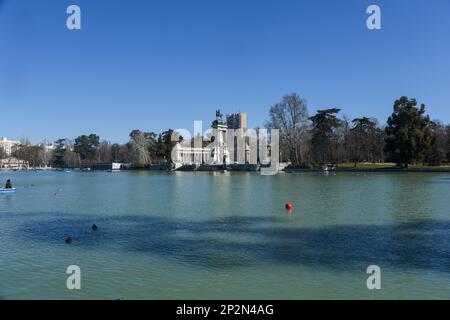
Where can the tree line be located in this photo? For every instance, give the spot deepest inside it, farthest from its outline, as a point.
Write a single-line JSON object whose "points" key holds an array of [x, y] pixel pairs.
{"points": [[142, 149], [408, 137]]}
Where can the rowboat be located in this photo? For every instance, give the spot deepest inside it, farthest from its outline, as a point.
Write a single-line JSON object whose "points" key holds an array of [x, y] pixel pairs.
{"points": [[7, 191]]}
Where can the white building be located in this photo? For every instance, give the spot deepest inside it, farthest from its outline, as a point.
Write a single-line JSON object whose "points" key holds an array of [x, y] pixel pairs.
{"points": [[13, 164], [8, 145], [229, 145], [216, 154]]}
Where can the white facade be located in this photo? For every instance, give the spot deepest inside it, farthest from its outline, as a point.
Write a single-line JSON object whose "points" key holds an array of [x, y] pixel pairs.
{"points": [[215, 154], [116, 166], [188, 155], [8, 145], [48, 147], [13, 164]]}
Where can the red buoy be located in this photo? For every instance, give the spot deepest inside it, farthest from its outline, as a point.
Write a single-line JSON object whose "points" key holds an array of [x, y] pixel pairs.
{"points": [[289, 206]]}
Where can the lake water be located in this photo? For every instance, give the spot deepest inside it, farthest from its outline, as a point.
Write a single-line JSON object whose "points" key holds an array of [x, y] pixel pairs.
{"points": [[225, 236]]}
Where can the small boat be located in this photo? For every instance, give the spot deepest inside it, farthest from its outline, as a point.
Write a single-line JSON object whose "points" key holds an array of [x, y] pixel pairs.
{"points": [[324, 171], [268, 172], [7, 191]]}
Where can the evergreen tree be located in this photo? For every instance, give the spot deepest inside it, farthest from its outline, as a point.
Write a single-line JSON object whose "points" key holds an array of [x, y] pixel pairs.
{"points": [[165, 146], [409, 137], [86, 146], [59, 152], [324, 137]]}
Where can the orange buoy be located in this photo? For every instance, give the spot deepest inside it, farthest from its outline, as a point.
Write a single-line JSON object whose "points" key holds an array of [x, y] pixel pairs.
{"points": [[289, 206]]}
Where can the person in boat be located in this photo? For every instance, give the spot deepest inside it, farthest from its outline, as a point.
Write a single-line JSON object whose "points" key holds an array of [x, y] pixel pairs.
{"points": [[8, 184]]}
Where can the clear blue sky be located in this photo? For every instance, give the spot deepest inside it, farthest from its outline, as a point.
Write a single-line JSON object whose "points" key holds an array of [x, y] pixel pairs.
{"points": [[152, 65]]}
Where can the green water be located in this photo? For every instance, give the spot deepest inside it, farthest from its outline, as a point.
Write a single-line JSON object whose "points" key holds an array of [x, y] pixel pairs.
{"points": [[225, 236]]}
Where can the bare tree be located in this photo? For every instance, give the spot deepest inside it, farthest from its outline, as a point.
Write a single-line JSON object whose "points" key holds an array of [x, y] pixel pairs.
{"points": [[290, 116], [34, 155], [72, 159], [104, 152], [124, 154], [3, 154], [142, 147]]}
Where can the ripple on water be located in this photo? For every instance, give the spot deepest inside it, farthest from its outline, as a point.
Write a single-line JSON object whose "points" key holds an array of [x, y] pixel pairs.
{"points": [[210, 241]]}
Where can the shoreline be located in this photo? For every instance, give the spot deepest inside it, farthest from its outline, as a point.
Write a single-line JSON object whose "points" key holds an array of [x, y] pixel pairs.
{"points": [[287, 170], [375, 170]]}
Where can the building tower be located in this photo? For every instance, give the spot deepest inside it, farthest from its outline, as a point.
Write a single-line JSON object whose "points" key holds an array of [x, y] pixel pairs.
{"points": [[220, 152], [237, 121]]}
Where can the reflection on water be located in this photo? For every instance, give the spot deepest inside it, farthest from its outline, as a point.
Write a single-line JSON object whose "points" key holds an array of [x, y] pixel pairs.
{"points": [[253, 241], [204, 235]]}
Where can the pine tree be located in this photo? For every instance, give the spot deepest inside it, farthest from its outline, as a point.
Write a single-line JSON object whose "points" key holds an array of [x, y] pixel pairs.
{"points": [[409, 137]]}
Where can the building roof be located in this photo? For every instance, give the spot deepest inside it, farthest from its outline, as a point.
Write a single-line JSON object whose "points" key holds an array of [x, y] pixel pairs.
{"points": [[6, 141]]}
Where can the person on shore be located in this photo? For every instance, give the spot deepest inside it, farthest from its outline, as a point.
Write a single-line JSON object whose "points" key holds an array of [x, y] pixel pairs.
{"points": [[8, 184]]}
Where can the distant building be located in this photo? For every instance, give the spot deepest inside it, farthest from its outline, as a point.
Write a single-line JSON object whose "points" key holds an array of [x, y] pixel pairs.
{"points": [[216, 155], [13, 164], [229, 144], [219, 152], [107, 166], [9, 145], [237, 121], [46, 146]]}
